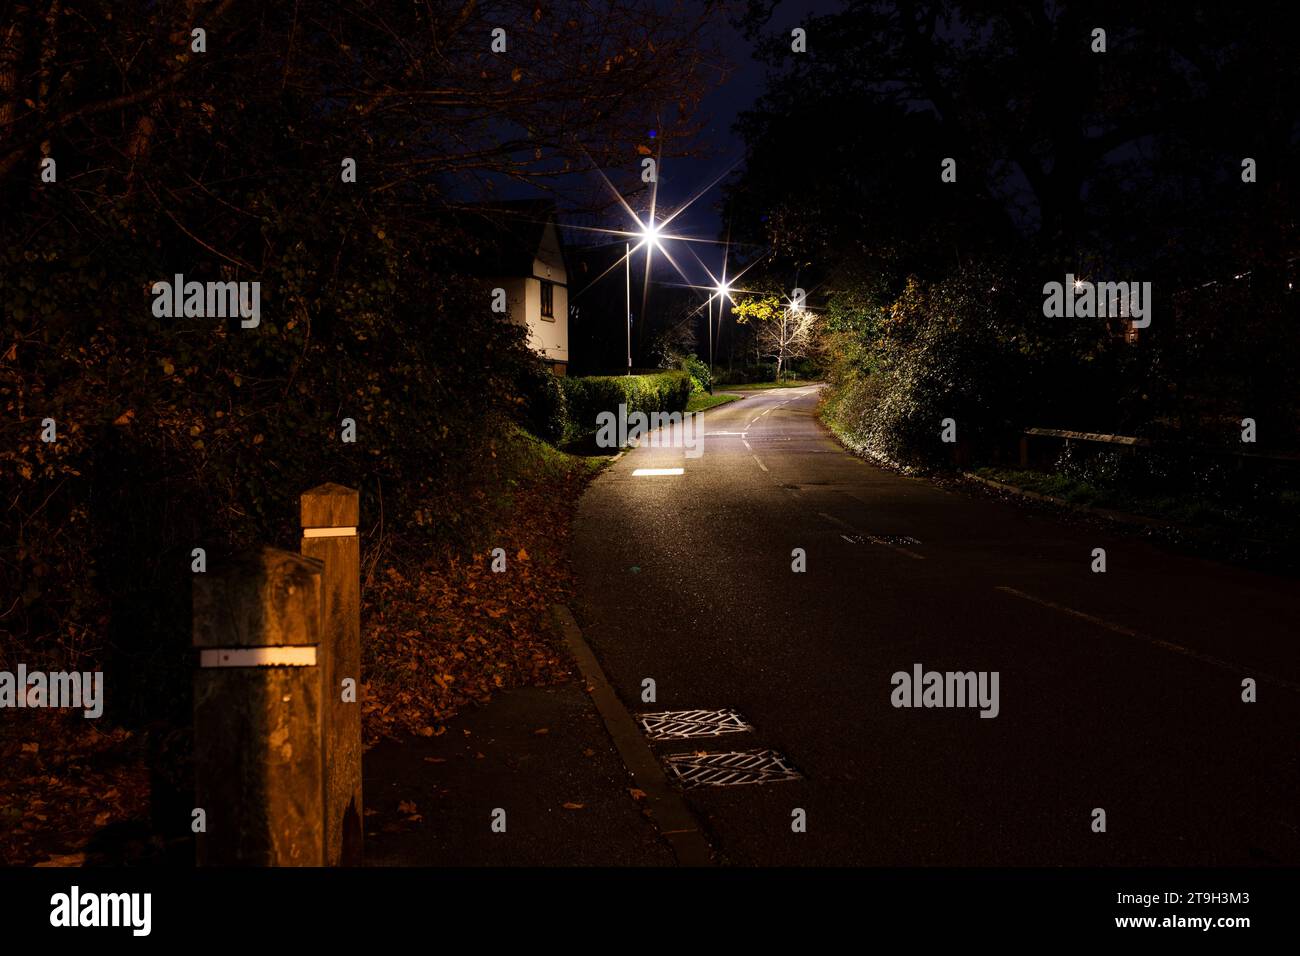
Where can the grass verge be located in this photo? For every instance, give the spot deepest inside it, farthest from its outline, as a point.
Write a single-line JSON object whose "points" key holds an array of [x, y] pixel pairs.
{"points": [[702, 401], [1267, 518], [748, 386]]}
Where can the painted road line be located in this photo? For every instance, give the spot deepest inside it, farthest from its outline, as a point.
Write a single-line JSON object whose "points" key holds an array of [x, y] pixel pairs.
{"points": [[858, 538], [656, 472], [760, 464], [1162, 644]]}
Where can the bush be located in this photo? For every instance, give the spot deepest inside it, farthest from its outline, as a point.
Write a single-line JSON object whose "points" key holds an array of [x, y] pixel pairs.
{"points": [[542, 409], [966, 348], [183, 433], [743, 375], [587, 397], [701, 376]]}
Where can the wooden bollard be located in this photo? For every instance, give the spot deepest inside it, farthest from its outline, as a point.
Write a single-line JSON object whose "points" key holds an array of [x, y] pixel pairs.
{"points": [[329, 533], [257, 711]]}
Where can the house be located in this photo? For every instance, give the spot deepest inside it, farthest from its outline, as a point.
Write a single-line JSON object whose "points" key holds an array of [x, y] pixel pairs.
{"points": [[517, 247]]}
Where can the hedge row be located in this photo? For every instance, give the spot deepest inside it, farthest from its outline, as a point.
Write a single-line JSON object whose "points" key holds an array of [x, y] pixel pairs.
{"points": [[586, 398]]}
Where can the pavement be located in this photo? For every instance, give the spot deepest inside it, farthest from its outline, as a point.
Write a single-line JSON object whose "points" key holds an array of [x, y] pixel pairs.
{"points": [[539, 754], [1118, 691]]}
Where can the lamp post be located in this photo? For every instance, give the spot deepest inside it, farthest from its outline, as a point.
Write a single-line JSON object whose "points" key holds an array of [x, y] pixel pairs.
{"points": [[649, 233], [627, 315], [710, 336], [721, 290]]}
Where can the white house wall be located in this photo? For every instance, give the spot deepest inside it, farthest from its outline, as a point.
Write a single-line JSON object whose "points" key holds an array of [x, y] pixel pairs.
{"points": [[524, 306], [548, 337], [549, 263]]}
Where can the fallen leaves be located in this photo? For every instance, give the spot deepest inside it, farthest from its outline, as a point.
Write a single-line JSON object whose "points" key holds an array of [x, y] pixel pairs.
{"points": [[447, 632], [58, 792]]}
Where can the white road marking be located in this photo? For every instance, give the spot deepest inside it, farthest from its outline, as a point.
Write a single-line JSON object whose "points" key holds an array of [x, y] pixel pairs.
{"points": [[748, 445], [760, 464], [870, 538], [1162, 644], [651, 472]]}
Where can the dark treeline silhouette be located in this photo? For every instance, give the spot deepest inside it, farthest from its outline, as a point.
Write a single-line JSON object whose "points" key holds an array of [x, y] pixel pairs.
{"points": [[1119, 165]]}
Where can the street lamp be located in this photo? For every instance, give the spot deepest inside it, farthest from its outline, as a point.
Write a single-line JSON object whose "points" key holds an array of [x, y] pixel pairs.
{"points": [[649, 233], [721, 290]]}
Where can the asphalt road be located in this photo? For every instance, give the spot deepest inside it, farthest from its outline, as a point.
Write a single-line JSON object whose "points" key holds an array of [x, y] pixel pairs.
{"points": [[1118, 690]]}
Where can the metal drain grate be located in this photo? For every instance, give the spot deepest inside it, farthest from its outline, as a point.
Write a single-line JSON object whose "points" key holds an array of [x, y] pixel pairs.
{"points": [[688, 724], [730, 769]]}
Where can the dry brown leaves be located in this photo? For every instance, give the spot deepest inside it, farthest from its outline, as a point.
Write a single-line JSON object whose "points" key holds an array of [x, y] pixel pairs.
{"points": [[437, 635], [449, 632], [65, 782]]}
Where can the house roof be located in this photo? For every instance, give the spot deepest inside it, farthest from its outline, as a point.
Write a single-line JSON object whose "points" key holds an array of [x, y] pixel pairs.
{"points": [[502, 238]]}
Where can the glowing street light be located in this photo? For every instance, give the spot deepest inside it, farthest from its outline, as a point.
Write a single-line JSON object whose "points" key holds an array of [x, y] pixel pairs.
{"points": [[649, 234], [722, 290]]}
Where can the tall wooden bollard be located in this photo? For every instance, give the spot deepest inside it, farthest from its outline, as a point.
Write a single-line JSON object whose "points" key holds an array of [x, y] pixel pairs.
{"points": [[259, 778], [329, 533]]}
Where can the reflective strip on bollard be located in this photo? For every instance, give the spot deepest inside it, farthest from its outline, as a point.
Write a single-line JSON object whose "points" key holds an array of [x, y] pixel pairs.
{"points": [[282, 656]]}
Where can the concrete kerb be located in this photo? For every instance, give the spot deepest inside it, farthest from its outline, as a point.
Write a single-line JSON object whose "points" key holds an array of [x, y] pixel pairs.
{"points": [[669, 812]]}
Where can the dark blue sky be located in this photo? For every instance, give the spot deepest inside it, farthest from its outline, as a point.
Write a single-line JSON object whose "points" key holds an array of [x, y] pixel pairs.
{"points": [[719, 148]]}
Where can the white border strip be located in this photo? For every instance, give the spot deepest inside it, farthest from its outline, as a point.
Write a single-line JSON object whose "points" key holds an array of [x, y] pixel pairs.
{"points": [[296, 655], [329, 532]]}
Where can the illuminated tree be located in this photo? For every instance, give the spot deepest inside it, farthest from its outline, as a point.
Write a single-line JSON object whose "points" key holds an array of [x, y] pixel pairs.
{"points": [[783, 331]]}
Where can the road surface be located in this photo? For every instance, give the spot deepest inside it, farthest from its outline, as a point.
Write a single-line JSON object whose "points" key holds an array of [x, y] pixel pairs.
{"points": [[1118, 691]]}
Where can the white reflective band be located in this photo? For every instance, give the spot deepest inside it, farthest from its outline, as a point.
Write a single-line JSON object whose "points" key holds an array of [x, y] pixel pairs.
{"points": [[328, 532], [657, 471], [284, 656]]}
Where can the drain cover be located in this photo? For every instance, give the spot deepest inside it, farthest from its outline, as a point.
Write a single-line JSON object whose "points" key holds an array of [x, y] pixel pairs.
{"points": [[730, 769], [686, 724]]}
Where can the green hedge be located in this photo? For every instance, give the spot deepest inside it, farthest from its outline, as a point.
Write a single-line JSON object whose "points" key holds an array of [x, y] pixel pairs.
{"points": [[541, 406], [587, 397], [701, 376]]}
